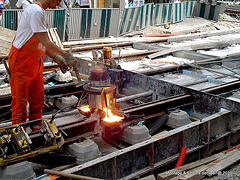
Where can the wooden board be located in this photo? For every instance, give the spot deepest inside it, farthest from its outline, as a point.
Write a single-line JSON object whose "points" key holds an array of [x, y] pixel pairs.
{"points": [[195, 169], [7, 36], [224, 164]]}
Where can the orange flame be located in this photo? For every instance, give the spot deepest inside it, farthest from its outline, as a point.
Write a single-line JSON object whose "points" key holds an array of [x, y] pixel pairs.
{"points": [[85, 108], [110, 117]]}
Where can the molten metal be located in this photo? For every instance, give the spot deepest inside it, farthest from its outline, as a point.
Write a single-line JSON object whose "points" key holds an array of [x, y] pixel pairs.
{"points": [[85, 108], [110, 117]]}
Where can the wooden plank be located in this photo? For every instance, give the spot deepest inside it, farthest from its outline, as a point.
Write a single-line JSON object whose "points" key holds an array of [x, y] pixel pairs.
{"points": [[54, 39], [168, 51], [113, 40], [59, 43], [174, 172], [7, 38], [5, 44], [50, 35], [196, 173], [7, 32], [224, 164]]}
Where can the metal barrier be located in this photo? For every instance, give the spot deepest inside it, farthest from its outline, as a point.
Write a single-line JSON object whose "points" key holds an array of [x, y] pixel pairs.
{"points": [[146, 16], [97, 23], [163, 14], [130, 20], [11, 17], [93, 23], [189, 8], [207, 11], [178, 13], [56, 18]]}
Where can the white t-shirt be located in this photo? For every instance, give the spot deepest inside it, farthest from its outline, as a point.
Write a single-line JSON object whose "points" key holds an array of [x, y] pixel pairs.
{"points": [[23, 3], [34, 19], [83, 2]]}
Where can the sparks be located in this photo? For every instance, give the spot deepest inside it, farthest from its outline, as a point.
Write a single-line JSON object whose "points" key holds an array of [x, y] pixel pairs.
{"points": [[110, 117]]}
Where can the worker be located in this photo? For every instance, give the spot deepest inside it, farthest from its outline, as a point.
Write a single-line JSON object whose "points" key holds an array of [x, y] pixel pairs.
{"points": [[83, 3], [26, 64], [3, 5], [23, 4], [66, 4]]}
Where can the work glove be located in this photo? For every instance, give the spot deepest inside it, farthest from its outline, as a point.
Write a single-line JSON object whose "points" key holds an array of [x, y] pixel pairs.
{"points": [[70, 59], [61, 63]]}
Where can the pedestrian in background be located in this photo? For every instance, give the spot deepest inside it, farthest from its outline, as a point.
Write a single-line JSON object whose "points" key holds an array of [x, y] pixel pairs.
{"points": [[83, 3], [23, 4], [66, 4], [3, 5]]}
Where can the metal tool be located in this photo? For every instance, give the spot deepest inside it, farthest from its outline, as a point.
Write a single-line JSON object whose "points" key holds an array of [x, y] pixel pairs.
{"points": [[16, 145], [6, 67]]}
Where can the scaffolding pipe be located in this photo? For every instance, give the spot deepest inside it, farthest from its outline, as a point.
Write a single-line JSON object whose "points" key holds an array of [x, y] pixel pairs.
{"points": [[135, 96]]}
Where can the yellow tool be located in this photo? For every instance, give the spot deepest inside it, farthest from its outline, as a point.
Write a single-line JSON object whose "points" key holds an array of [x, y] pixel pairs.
{"points": [[16, 145]]}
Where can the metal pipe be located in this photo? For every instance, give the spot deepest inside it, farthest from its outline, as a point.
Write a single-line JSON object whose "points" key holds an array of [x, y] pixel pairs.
{"points": [[49, 116], [213, 71], [220, 61], [230, 70], [68, 175], [135, 96]]}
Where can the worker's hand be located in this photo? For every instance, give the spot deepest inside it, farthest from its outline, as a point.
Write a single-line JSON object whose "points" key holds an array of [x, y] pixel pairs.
{"points": [[69, 58], [61, 63]]}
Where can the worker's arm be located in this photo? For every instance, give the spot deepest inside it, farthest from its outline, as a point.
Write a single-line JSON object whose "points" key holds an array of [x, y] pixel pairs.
{"points": [[69, 7], [89, 3], [50, 53], [16, 7], [68, 57], [43, 38], [4, 4], [58, 59]]}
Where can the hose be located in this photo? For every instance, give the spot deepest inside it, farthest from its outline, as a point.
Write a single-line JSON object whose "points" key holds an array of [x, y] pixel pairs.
{"points": [[181, 157]]}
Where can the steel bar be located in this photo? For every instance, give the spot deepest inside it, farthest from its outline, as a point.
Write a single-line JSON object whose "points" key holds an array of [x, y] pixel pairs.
{"points": [[159, 105], [135, 96], [230, 70], [68, 175], [97, 45], [238, 77], [77, 72]]}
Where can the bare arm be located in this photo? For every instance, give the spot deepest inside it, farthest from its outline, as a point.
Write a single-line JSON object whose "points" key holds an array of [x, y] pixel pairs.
{"points": [[5, 4], [43, 38], [16, 7], [89, 3], [69, 7]]}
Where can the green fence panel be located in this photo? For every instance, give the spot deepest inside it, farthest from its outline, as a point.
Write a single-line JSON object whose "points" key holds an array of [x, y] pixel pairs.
{"points": [[59, 22], [10, 19], [130, 19]]}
